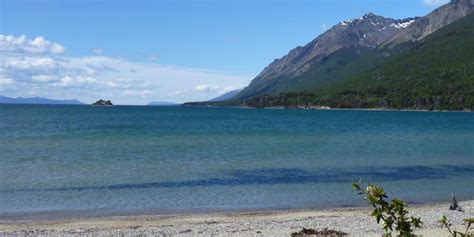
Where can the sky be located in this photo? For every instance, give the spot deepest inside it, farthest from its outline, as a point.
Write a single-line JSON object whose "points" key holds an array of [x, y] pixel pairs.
{"points": [[137, 51]]}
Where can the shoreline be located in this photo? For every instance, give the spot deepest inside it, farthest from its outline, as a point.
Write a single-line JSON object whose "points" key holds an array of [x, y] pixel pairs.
{"points": [[248, 107], [359, 109], [326, 108], [65, 215], [353, 220]]}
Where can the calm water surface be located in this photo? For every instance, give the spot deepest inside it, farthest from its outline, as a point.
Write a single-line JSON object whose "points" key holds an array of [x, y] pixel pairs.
{"points": [[81, 160]]}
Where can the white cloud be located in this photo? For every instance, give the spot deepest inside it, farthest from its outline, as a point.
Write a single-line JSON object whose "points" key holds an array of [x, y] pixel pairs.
{"points": [[29, 63], [434, 2], [24, 72], [228, 89], [214, 89], [143, 93], [5, 81], [43, 78], [207, 88], [21, 44], [178, 92], [70, 81]]}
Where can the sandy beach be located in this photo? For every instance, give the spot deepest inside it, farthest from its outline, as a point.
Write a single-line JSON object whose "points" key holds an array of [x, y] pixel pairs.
{"points": [[355, 221]]}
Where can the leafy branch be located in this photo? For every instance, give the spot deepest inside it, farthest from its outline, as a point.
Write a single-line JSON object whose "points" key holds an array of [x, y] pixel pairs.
{"points": [[446, 223], [392, 214]]}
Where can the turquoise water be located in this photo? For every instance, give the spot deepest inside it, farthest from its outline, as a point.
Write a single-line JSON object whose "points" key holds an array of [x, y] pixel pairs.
{"points": [[81, 160]]}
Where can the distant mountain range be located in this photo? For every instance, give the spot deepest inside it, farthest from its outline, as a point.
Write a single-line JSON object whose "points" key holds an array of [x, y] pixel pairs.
{"points": [[37, 100], [375, 61]]}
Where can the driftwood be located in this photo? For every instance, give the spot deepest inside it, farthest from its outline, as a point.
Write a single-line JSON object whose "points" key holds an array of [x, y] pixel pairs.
{"points": [[454, 204]]}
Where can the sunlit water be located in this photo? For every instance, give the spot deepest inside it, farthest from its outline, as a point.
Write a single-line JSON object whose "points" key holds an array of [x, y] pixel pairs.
{"points": [[81, 160]]}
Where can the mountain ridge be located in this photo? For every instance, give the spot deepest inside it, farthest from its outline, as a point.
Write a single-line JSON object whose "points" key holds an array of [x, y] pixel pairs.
{"points": [[38, 100], [437, 19], [435, 73], [355, 36], [348, 49]]}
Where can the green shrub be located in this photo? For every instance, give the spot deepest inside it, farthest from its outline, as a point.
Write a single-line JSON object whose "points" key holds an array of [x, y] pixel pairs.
{"points": [[446, 223], [392, 215]]}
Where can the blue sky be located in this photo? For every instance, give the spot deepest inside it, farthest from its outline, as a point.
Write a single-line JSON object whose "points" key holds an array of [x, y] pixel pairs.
{"points": [[185, 49]]}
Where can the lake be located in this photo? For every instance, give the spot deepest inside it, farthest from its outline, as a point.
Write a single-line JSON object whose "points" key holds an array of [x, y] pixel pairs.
{"points": [[61, 161]]}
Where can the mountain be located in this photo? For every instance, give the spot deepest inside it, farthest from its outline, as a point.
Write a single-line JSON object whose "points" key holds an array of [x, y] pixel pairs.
{"points": [[435, 73], [349, 49], [226, 96], [37, 100], [325, 55], [432, 22], [161, 103]]}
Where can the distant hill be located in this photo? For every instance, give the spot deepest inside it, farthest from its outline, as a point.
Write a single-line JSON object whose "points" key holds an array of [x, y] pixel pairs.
{"points": [[161, 103], [226, 96], [37, 100], [436, 73]]}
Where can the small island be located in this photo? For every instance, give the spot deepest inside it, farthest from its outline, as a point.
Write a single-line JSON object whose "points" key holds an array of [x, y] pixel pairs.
{"points": [[102, 102]]}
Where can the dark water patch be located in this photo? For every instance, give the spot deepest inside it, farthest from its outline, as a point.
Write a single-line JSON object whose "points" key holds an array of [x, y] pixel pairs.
{"points": [[294, 176]]}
